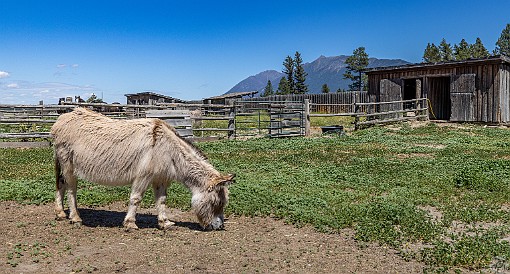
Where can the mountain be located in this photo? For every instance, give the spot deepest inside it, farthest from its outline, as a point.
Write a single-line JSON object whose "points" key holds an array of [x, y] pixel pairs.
{"points": [[323, 70]]}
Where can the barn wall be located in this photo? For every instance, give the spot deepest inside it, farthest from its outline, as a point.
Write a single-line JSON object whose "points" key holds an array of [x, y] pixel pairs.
{"points": [[504, 80], [490, 100]]}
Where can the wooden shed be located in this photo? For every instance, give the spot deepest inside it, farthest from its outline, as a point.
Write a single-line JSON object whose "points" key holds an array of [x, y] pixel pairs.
{"points": [[474, 90], [150, 98], [226, 99]]}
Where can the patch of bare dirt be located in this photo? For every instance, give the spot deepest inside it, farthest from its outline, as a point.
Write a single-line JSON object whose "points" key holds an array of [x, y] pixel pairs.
{"points": [[403, 156], [33, 242]]}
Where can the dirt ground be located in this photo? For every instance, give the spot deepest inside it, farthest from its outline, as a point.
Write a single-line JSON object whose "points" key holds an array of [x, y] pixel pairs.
{"points": [[32, 241]]}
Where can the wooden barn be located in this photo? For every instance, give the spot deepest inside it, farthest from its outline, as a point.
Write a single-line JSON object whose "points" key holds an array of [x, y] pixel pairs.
{"points": [[150, 98], [474, 90], [228, 98]]}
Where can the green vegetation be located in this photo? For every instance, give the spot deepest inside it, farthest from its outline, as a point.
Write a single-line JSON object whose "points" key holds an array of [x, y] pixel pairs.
{"points": [[356, 64], [440, 195]]}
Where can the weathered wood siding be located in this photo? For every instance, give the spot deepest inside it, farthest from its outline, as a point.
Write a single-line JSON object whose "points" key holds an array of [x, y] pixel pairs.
{"points": [[324, 102], [479, 89]]}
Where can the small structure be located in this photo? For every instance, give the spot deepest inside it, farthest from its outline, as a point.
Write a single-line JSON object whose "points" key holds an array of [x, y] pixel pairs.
{"points": [[150, 98], [226, 99], [474, 90]]}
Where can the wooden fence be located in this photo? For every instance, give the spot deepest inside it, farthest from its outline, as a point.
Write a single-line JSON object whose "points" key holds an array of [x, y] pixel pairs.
{"points": [[366, 113], [243, 118], [339, 102]]}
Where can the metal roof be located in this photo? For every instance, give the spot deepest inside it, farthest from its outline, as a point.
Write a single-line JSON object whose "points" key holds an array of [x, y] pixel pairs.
{"points": [[232, 95], [491, 59]]}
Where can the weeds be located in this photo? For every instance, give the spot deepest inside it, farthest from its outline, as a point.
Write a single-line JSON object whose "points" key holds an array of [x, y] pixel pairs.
{"points": [[376, 180]]}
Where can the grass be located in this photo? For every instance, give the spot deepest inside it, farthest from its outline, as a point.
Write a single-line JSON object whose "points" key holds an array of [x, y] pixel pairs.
{"points": [[440, 195]]}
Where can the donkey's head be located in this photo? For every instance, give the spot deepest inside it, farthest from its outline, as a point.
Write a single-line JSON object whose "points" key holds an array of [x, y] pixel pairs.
{"points": [[210, 202]]}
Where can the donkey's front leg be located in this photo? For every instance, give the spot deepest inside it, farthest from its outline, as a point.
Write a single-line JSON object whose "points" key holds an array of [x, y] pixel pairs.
{"points": [[137, 190], [160, 200]]}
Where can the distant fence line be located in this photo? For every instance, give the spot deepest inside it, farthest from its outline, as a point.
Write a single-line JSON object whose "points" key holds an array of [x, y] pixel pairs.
{"points": [[275, 116], [338, 102]]}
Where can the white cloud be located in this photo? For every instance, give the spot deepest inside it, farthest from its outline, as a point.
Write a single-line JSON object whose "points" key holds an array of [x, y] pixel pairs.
{"points": [[4, 74], [75, 65], [61, 66], [24, 92]]}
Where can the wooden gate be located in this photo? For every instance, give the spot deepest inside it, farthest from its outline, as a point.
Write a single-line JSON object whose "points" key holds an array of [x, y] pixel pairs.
{"points": [[287, 119], [274, 118]]}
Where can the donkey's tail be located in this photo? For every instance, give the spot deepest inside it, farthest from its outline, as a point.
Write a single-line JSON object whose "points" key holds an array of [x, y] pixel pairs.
{"points": [[58, 174]]}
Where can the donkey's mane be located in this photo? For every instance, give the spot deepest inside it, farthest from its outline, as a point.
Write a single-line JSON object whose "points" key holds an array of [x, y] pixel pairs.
{"points": [[187, 141]]}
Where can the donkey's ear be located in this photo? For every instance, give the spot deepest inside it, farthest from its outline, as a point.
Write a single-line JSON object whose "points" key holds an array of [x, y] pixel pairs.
{"points": [[222, 180], [226, 180]]}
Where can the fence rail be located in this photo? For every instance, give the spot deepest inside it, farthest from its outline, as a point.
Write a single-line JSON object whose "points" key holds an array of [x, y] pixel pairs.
{"points": [[260, 117]]}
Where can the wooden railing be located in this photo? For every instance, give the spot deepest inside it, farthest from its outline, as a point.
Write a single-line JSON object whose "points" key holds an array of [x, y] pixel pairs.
{"points": [[379, 112]]}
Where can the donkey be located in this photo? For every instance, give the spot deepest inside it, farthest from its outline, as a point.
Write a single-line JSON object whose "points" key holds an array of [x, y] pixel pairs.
{"points": [[140, 152]]}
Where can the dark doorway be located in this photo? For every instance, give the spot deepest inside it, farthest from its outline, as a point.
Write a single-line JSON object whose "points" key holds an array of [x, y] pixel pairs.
{"points": [[439, 96], [412, 90]]}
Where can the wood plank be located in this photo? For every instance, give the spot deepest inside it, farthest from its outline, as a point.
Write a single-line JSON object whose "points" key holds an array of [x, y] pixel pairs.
{"points": [[20, 135], [24, 144], [179, 122]]}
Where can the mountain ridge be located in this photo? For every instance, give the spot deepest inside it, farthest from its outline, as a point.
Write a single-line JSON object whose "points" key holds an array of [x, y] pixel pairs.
{"points": [[323, 70]]}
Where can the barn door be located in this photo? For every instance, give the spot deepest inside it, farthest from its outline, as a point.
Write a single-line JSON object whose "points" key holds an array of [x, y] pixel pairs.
{"points": [[390, 90], [462, 97]]}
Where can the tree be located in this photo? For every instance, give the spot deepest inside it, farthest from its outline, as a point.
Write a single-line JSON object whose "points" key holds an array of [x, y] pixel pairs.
{"points": [[283, 87], [478, 50], [93, 99], [299, 75], [268, 90], [503, 43], [431, 54], [339, 90], [463, 51], [445, 51], [288, 70], [356, 63], [325, 88]]}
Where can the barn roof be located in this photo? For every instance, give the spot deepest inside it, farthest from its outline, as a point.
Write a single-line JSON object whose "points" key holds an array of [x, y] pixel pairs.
{"points": [[153, 94], [232, 95], [491, 59]]}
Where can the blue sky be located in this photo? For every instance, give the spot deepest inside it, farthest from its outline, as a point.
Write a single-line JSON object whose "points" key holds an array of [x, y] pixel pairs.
{"points": [[196, 49]]}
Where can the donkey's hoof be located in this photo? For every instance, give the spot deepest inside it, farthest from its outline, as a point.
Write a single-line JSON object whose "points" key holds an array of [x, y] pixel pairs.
{"points": [[130, 225], [60, 215], [76, 223], [166, 225]]}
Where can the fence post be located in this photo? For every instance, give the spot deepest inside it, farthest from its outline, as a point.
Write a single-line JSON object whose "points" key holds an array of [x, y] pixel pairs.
{"points": [[307, 117], [356, 112], [231, 122]]}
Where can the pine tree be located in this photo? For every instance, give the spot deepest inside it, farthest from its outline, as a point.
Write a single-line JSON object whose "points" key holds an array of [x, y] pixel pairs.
{"points": [[299, 75], [268, 90], [463, 51], [431, 54], [288, 70], [356, 63], [503, 43], [93, 99], [283, 87], [325, 88], [478, 50], [445, 51]]}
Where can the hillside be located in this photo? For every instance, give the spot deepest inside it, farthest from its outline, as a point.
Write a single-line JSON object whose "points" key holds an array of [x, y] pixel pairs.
{"points": [[327, 70]]}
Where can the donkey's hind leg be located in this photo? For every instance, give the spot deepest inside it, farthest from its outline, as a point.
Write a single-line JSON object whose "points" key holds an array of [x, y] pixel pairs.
{"points": [[160, 199], [72, 182], [60, 191], [59, 198]]}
